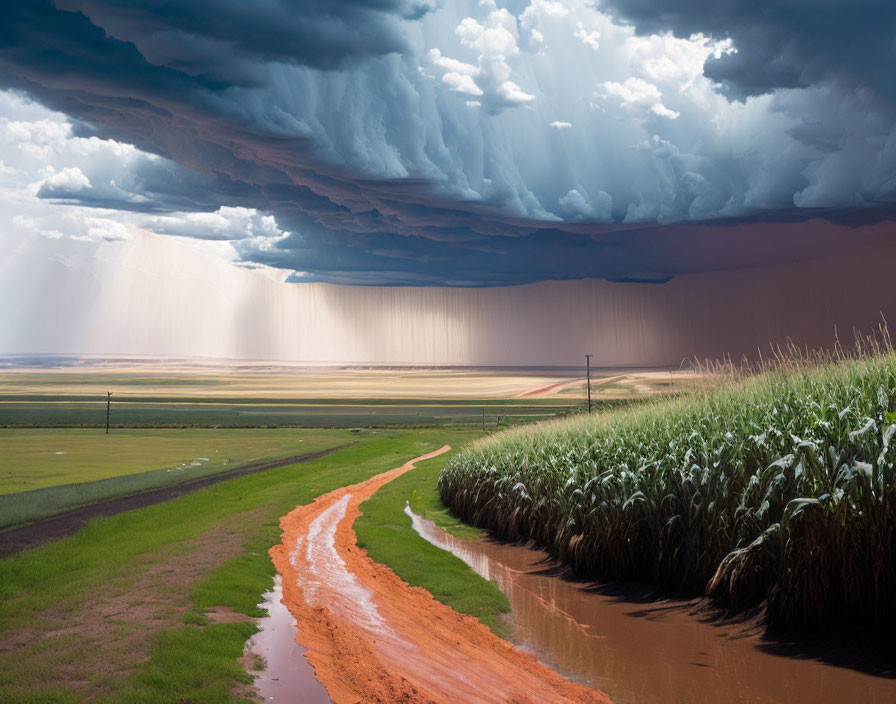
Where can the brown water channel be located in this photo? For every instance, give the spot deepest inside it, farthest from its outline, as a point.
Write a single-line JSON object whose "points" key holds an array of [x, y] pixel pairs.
{"points": [[655, 652], [287, 677]]}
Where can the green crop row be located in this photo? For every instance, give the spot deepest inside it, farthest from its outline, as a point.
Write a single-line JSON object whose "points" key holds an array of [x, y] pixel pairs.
{"points": [[777, 488]]}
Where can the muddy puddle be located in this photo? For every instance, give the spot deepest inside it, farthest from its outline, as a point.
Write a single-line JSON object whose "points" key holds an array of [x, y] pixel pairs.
{"points": [[287, 677], [649, 652]]}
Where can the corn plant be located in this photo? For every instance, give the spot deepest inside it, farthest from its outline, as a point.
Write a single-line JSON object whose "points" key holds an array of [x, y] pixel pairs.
{"points": [[775, 488]]}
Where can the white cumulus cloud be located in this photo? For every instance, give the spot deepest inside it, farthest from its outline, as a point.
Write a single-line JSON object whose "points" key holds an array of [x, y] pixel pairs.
{"points": [[461, 83], [70, 179], [586, 37], [636, 95]]}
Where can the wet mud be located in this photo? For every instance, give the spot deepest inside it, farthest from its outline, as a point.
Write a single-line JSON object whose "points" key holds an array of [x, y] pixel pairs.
{"points": [[372, 638], [651, 651]]}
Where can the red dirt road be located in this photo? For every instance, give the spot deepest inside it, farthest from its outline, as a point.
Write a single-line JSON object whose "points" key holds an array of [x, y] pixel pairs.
{"points": [[373, 639]]}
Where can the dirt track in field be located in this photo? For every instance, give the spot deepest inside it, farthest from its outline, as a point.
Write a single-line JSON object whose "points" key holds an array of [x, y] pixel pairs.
{"points": [[374, 639], [52, 528]]}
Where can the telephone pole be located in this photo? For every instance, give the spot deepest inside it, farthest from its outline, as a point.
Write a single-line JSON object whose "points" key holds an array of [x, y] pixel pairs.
{"points": [[588, 372], [108, 406]]}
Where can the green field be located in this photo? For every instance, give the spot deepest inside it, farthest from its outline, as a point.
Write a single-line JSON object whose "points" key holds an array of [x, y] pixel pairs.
{"points": [[73, 412], [119, 611], [94, 467], [38, 458], [130, 608]]}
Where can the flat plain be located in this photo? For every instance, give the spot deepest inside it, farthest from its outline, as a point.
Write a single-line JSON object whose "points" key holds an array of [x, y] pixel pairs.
{"points": [[158, 393]]}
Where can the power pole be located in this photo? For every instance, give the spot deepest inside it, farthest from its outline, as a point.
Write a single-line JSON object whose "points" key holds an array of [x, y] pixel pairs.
{"points": [[588, 372], [108, 406], [483, 419]]}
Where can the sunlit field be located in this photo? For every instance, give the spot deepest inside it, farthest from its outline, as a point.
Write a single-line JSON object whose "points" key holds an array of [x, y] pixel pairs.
{"points": [[173, 378], [71, 392], [39, 458]]}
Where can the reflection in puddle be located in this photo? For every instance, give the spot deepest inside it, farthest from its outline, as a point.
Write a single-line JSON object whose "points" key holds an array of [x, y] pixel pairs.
{"points": [[655, 652], [287, 677]]}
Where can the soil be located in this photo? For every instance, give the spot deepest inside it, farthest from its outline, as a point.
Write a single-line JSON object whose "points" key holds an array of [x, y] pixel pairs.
{"points": [[374, 639], [115, 630], [46, 530]]}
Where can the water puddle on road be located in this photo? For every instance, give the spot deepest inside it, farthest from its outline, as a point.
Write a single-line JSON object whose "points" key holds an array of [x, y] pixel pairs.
{"points": [[287, 677], [650, 652]]}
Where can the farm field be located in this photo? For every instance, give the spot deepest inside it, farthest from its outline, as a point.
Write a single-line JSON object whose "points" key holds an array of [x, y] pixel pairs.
{"points": [[321, 413], [71, 393], [40, 458], [183, 579], [233, 381], [776, 490], [44, 472], [167, 430]]}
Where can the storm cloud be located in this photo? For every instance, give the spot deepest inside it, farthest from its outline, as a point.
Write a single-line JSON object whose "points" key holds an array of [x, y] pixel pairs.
{"points": [[473, 143], [782, 43]]}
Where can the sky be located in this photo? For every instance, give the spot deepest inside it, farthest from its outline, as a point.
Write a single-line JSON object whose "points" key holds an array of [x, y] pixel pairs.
{"points": [[417, 142], [179, 177]]}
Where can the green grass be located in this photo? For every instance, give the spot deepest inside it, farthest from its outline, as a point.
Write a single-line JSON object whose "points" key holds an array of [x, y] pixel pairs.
{"points": [[196, 660], [778, 488], [63, 412], [190, 664], [122, 546], [385, 531], [40, 458], [31, 457]]}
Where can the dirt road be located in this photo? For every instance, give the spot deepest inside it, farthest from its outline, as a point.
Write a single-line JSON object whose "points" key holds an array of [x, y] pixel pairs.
{"points": [[374, 639]]}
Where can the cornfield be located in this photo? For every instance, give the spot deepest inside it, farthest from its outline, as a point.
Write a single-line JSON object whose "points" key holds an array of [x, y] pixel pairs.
{"points": [[776, 488]]}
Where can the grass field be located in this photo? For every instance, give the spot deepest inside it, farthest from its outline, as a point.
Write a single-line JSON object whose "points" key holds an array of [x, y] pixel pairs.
{"points": [[154, 605], [39, 458], [198, 412], [94, 467], [120, 611]]}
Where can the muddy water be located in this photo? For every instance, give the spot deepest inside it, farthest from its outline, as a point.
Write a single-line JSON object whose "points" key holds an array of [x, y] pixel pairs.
{"points": [[326, 582], [373, 638], [287, 677], [652, 652]]}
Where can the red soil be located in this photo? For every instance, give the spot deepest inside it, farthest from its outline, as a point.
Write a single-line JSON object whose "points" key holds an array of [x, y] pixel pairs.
{"points": [[372, 638], [541, 390]]}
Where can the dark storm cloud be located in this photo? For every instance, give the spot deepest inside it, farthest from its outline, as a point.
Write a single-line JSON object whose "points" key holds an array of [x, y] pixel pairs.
{"points": [[174, 79], [222, 37], [781, 43]]}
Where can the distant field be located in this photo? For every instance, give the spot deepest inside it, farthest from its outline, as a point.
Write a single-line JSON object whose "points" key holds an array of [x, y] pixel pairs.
{"points": [[178, 394], [39, 458], [62, 412], [176, 420], [243, 381], [278, 383], [44, 472]]}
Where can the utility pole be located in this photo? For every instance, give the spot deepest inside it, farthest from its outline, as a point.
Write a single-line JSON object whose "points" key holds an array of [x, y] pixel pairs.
{"points": [[483, 419], [588, 372], [108, 406]]}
